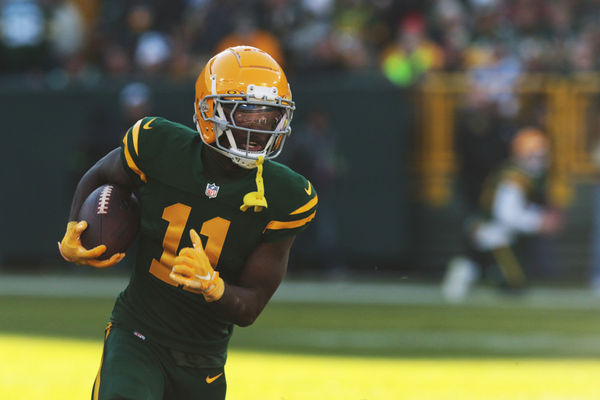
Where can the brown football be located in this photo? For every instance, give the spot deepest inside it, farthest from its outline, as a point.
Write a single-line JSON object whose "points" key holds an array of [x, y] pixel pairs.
{"points": [[113, 216]]}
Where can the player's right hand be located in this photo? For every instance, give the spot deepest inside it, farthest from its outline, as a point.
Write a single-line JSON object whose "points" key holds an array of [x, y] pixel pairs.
{"points": [[73, 251], [193, 270]]}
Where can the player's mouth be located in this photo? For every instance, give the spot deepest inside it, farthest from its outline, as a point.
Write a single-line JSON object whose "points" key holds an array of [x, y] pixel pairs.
{"points": [[254, 143], [252, 146]]}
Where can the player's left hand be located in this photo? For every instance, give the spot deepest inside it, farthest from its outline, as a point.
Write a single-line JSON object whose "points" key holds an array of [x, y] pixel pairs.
{"points": [[192, 269]]}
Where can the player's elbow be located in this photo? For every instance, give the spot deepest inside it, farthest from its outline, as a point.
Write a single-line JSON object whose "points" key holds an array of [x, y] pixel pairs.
{"points": [[246, 320], [247, 311], [249, 315]]}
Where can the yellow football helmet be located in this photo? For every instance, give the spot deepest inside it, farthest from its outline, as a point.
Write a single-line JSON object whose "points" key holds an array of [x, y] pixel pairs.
{"points": [[243, 106], [530, 148], [529, 141]]}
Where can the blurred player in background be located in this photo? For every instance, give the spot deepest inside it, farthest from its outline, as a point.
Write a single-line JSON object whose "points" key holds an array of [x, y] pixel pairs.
{"points": [[218, 218], [513, 205]]}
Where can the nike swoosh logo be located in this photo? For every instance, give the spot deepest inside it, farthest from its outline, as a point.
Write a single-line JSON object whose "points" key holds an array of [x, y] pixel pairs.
{"points": [[308, 190], [147, 124], [210, 380], [204, 278]]}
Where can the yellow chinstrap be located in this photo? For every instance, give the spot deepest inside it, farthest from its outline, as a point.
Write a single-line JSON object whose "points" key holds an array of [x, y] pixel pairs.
{"points": [[256, 199]]}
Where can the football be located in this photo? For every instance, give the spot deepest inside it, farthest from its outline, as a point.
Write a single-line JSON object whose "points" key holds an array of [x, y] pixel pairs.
{"points": [[113, 216]]}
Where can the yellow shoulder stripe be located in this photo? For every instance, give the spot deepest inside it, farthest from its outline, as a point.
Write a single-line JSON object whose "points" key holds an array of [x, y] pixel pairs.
{"points": [[307, 206], [290, 224], [134, 135], [130, 161]]}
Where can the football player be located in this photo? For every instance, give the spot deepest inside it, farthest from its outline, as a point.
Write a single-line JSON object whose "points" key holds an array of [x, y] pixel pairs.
{"points": [[218, 218], [513, 205]]}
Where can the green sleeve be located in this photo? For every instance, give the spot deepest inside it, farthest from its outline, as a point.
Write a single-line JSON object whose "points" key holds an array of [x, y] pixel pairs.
{"points": [[296, 208], [150, 147]]}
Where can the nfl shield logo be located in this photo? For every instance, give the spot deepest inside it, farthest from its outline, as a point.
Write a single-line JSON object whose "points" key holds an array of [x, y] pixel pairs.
{"points": [[211, 190]]}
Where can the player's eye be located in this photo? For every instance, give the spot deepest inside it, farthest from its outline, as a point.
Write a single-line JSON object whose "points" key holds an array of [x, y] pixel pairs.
{"points": [[255, 117]]}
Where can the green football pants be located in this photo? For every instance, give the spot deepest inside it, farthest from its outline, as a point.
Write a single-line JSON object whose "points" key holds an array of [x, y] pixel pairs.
{"points": [[135, 368]]}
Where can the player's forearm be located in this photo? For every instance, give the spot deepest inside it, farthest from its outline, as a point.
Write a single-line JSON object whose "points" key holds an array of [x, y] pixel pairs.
{"points": [[109, 169], [262, 275], [240, 305], [88, 182]]}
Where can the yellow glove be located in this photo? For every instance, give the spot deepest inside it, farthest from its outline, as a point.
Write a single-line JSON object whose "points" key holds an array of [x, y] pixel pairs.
{"points": [[72, 250], [192, 269]]}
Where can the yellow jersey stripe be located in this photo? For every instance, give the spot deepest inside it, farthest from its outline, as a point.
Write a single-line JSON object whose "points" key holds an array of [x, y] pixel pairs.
{"points": [[307, 206], [290, 224], [135, 132], [97, 384], [108, 328], [130, 161]]}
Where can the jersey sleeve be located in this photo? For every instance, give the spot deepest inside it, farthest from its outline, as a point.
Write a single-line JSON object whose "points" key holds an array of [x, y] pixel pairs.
{"points": [[145, 146], [295, 213]]}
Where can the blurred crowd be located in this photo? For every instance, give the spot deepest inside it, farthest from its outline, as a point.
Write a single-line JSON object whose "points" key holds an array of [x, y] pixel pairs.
{"points": [[85, 39]]}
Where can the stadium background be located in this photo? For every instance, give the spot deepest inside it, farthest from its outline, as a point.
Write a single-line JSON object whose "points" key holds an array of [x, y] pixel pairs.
{"points": [[383, 90]]}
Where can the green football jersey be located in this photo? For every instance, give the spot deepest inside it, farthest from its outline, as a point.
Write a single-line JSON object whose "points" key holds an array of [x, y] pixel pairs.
{"points": [[176, 194]]}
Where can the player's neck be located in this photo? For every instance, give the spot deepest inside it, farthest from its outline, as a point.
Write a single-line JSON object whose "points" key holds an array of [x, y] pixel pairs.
{"points": [[217, 165]]}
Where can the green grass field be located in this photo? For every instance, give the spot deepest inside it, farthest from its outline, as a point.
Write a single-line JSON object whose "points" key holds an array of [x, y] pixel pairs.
{"points": [[408, 348]]}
